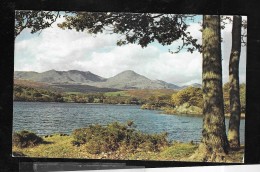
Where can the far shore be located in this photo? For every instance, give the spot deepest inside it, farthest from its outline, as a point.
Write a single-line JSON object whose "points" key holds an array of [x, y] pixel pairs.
{"points": [[227, 115]]}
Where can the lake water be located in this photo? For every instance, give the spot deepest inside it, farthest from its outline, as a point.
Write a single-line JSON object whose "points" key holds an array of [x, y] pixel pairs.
{"points": [[48, 118]]}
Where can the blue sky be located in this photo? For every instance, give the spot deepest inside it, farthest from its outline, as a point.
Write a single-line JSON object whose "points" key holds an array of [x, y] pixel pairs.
{"points": [[59, 49]]}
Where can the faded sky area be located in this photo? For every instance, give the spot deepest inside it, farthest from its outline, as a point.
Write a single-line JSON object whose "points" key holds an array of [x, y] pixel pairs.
{"points": [[64, 50]]}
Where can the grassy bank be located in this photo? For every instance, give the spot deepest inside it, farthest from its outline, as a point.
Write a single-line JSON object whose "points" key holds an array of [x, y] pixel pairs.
{"points": [[114, 141], [60, 147]]}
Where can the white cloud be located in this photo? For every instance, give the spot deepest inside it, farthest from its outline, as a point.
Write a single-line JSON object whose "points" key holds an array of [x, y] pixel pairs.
{"points": [[128, 57], [54, 48]]}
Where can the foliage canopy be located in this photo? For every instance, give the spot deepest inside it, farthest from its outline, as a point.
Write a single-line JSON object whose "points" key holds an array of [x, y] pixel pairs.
{"points": [[140, 28], [34, 20]]}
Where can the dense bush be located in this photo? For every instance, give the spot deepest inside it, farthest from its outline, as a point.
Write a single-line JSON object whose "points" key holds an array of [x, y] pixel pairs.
{"points": [[190, 95], [112, 137], [25, 139]]}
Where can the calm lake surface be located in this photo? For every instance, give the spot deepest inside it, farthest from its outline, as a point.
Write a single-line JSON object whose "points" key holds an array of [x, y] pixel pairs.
{"points": [[48, 118]]}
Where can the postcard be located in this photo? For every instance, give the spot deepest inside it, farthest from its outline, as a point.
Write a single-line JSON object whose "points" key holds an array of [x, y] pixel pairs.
{"points": [[129, 86]]}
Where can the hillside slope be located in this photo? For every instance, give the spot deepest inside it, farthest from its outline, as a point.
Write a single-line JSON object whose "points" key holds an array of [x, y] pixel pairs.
{"points": [[125, 80]]}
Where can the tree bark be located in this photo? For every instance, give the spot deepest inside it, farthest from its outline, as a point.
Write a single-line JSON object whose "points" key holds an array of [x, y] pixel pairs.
{"points": [[214, 143], [234, 95]]}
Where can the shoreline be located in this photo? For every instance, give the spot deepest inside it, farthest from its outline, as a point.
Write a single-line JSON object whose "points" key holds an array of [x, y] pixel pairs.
{"points": [[79, 103], [227, 115]]}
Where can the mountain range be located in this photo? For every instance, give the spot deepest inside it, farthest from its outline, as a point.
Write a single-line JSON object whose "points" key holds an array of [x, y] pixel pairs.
{"points": [[125, 80]]}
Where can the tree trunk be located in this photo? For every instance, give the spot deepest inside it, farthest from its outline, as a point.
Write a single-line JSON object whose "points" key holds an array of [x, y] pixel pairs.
{"points": [[234, 95], [214, 143]]}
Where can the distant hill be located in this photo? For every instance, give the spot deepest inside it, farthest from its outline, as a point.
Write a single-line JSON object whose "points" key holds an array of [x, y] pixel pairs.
{"points": [[168, 85], [31, 84], [62, 87], [53, 76], [196, 85], [85, 80], [131, 80]]}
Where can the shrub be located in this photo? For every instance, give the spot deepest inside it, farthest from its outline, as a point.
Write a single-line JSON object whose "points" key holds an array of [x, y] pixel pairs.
{"points": [[25, 139], [112, 137], [190, 95]]}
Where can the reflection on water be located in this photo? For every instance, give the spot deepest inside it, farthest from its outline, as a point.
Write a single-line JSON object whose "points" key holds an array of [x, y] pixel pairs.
{"points": [[49, 118]]}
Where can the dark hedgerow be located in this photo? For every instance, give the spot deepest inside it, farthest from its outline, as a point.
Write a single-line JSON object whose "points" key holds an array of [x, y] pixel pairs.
{"points": [[25, 139], [112, 137]]}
